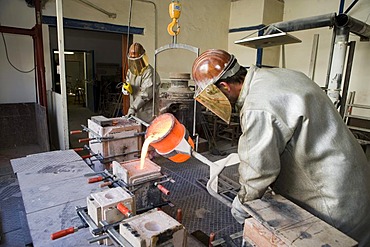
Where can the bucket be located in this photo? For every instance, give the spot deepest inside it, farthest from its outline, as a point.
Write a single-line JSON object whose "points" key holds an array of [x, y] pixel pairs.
{"points": [[173, 140]]}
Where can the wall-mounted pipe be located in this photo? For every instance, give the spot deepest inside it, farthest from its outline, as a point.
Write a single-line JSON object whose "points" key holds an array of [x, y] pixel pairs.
{"points": [[326, 20], [39, 52], [343, 25], [36, 34], [109, 14], [337, 66], [355, 26]]}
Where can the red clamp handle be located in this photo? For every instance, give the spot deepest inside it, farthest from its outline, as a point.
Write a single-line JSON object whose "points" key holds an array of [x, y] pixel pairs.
{"points": [[78, 149], [163, 189], [123, 209], [63, 233], [212, 236], [109, 183], [86, 156], [95, 179], [72, 132], [85, 140], [179, 215]]}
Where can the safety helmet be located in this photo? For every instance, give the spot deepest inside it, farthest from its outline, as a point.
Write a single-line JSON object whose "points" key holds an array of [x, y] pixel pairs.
{"points": [[136, 50], [210, 67], [137, 59]]}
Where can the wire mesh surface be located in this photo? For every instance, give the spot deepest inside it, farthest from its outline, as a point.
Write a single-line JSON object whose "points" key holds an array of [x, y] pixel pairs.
{"points": [[200, 211], [14, 227]]}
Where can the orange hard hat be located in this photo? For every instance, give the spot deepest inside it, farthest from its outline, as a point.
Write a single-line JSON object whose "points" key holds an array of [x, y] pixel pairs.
{"points": [[136, 50]]}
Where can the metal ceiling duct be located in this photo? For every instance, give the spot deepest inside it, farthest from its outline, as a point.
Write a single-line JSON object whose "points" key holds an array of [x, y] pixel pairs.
{"points": [[355, 26], [343, 25], [327, 20]]}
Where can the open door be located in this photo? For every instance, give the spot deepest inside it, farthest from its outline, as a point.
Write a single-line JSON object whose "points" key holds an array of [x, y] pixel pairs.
{"points": [[81, 91]]}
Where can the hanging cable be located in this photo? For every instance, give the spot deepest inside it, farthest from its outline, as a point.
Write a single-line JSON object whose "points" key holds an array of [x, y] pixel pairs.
{"points": [[7, 57], [115, 113]]}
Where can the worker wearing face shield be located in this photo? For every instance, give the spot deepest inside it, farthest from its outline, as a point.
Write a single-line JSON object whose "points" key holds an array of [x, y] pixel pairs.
{"points": [[293, 141], [139, 84]]}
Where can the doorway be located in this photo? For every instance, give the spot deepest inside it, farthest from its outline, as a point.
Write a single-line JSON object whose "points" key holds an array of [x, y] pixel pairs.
{"points": [[90, 55], [81, 89]]}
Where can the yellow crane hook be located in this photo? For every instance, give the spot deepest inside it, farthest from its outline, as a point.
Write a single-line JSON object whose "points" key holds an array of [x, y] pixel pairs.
{"points": [[174, 10]]}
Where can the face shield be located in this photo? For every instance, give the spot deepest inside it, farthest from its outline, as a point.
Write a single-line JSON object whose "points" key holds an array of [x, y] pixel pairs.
{"points": [[210, 96], [138, 65], [214, 100]]}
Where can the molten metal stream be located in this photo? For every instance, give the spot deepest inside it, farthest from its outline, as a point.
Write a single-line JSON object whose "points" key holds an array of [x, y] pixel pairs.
{"points": [[145, 147], [156, 134]]}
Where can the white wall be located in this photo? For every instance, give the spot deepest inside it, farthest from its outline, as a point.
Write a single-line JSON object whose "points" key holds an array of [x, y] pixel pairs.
{"points": [[204, 24], [16, 86], [298, 55]]}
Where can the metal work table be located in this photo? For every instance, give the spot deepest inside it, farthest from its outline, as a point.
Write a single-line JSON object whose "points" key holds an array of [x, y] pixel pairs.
{"points": [[53, 184]]}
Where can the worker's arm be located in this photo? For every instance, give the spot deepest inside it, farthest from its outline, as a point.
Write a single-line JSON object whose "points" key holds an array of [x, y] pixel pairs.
{"points": [[260, 145], [263, 140], [146, 89]]}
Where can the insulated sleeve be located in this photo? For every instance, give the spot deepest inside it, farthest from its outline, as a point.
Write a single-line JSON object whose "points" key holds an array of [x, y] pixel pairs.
{"points": [[260, 146], [146, 86]]}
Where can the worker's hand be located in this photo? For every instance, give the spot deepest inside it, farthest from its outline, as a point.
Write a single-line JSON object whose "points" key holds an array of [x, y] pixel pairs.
{"points": [[126, 88], [238, 212], [131, 112]]}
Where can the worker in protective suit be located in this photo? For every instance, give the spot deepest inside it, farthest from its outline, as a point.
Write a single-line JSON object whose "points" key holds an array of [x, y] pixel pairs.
{"points": [[139, 84], [293, 140]]}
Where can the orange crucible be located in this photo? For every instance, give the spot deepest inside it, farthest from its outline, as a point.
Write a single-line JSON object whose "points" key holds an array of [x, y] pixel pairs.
{"points": [[171, 138]]}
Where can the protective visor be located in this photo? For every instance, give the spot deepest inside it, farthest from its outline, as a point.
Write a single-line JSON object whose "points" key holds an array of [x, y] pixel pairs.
{"points": [[138, 65], [217, 102]]}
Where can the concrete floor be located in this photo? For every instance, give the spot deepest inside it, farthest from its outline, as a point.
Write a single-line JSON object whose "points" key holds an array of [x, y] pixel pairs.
{"points": [[13, 228]]}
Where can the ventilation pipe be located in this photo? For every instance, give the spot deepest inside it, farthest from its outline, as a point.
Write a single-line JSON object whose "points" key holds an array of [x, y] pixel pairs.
{"points": [[343, 26]]}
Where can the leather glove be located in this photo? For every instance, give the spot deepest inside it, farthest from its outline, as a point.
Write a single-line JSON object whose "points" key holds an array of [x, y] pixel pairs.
{"points": [[238, 212], [126, 88], [124, 91], [131, 112]]}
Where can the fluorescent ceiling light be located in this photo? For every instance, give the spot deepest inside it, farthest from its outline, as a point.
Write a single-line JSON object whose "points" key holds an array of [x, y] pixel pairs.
{"points": [[268, 40], [66, 52]]}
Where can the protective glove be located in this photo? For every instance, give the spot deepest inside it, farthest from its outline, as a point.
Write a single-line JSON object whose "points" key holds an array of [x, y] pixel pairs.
{"points": [[126, 88], [238, 212], [131, 112]]}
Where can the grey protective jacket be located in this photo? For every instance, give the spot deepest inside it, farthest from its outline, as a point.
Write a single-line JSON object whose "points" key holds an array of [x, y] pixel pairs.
{"points": [[141, 100], [294, 140]]}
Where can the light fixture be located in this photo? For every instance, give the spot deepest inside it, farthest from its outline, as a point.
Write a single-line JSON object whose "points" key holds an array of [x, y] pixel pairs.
{"points": [[281, 38], [66, 52]]}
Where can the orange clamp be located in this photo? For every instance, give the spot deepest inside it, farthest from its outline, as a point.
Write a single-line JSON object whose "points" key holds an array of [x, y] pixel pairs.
{"points": [[179, 215], [212, 236], [105, 184], [85, 139], [63, 233], [95, 179], [86, 156], [72, 132], [163, 189], [123, 209]]}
